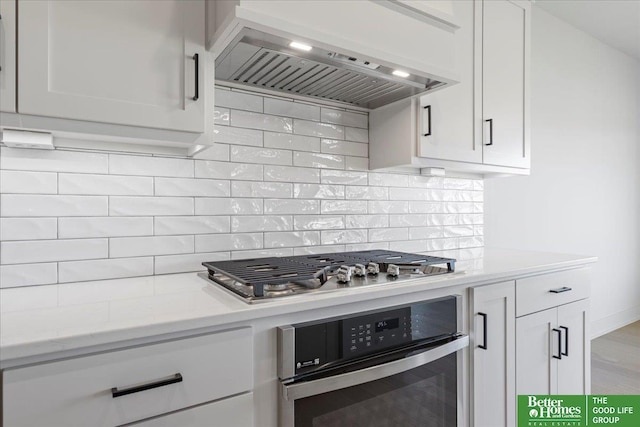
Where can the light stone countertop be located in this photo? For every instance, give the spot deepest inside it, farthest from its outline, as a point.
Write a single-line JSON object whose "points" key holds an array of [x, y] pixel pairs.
{"points": [[43, 322]]}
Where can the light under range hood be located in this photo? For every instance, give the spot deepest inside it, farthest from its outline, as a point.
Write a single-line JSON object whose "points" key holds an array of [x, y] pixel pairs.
{"points": [[261, 61]]}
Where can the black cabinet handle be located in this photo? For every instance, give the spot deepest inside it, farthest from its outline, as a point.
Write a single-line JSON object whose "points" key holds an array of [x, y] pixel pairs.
{"points": [[559, 356], [566, 341], [428, 108], [177, 378], [484, 331], [490, 131], [560, 290], [197, 66]]}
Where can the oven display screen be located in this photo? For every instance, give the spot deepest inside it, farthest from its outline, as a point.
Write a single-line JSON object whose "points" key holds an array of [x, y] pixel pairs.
{"points": [[383, 325]]}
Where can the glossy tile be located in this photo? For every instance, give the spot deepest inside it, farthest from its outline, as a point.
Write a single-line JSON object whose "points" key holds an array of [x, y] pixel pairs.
{"points": [[294, 109], [121, 247], [291, 174], [82, 228], [237, 100], [23, 205], [53, 160], [28, 182], [356, 134], [172, 225], [216, 151], [346, 118], [261, 189], [150, 206], [150, 166], [237, 136], [315, 160], [388, 234], [317, 191], [77, 271], [411, 220], [328, 176], [388, 207], [32, 251], [367, 221], [324, 130], [357, 163], [291, 206], [290, 239], [367, 193], [28, 228], [343, 237], [336, 146], [246, 224], [318, 222], [343, 207], [221, 116], [112, 185], [28, 274], [227, 206], [228, 242], [169, 264], [226, 170], [289, 141], [246, 119], [264, 156]]}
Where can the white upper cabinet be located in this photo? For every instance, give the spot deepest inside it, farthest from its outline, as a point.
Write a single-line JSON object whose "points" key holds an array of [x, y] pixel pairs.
{"points": [[505, 74], [480, 125], [128, 63], [8, 56]]}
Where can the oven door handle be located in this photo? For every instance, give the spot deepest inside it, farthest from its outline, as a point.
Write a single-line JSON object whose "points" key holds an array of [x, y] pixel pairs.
{"points": [[349, 379]]}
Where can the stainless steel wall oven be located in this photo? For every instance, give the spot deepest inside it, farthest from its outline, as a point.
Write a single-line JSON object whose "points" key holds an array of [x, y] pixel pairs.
{"points": [[398, 366]]}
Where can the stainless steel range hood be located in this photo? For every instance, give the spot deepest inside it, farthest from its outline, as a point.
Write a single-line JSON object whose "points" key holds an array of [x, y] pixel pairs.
{"points": [[262, 61]]}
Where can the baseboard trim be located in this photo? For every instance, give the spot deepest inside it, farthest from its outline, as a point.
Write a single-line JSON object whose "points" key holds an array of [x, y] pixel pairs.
{"points": [[611, 323]]}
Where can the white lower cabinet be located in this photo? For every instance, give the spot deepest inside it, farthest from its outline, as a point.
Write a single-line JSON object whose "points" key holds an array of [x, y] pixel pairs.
{"points": [[553, 351], [230, 412], [493, 355], [123, 386]]}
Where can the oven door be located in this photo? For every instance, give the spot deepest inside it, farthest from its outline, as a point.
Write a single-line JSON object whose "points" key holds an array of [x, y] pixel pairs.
{"points": [[419, 389]]}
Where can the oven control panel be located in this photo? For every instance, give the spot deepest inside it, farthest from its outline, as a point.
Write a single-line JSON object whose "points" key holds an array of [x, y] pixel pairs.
{"points": [[376, 331]]}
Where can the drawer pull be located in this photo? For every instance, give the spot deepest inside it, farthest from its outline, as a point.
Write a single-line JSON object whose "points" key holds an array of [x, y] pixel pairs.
{"points": [[559, 356], [560, 290], [484, 331], [177, 378], [566, 341]]}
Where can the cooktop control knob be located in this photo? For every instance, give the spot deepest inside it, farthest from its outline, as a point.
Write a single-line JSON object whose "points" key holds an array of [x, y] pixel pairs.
{"points": [[373, 268], [393, 270], [359, 270], [344, 274]]}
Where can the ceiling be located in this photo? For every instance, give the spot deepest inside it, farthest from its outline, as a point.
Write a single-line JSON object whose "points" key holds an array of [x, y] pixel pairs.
{"points": [[615, 22]]}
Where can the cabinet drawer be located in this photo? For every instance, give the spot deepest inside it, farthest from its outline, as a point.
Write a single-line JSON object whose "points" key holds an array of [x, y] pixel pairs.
{"points": [[551, 290], [235, 411], [80, 391]]}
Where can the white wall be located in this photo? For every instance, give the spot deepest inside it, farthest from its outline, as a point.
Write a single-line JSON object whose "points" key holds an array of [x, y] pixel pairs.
{"points": [[583, 195]]}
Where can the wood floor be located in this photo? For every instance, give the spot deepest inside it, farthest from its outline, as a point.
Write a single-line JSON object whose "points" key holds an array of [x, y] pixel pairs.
{"points": [[615, 362]]}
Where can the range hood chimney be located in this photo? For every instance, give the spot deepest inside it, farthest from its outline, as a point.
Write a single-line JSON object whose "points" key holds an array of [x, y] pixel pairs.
{"points": [[266, 62]]}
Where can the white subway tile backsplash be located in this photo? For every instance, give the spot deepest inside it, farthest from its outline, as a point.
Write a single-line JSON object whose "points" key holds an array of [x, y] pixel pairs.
{"points": [[226, 170], [318, 222], [52, 250], [343, 237], [28, 182], [346, 118], [317, 191], [237, 136], [289, 141], [367, 221], [356, 134], [343, 207], [168, 264], [146, 206], [150, 166], [367, 193], [329, 176], [191, 187], [220, 116], [28, 274], [246, 224], [261, 189], [334, 146], [237, 100], [316, 160], [289, 239], [226, 206], [291, 206], [77, 271], [357, 163], [53, 160], [324, 130], [247, 119], [282, 178], [388, 234], [105, 185], [80, 228], [123, 247], [228, 242], [291, 174], [23, 205], [264, 156], [172, 225], [28, 228], [294, 109]]}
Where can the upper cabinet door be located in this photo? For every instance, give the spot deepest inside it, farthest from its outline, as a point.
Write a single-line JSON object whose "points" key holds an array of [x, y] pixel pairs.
{"points": [[8, 56], [122, 62], [445, 125], [505, 74]]}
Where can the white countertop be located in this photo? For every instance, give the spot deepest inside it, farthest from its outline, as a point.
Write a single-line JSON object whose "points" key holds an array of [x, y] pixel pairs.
{"points": [[53, 319]]}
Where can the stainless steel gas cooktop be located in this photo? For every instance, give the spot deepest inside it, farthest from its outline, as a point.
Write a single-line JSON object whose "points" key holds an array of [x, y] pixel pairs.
{"points": [[265, 279]]}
